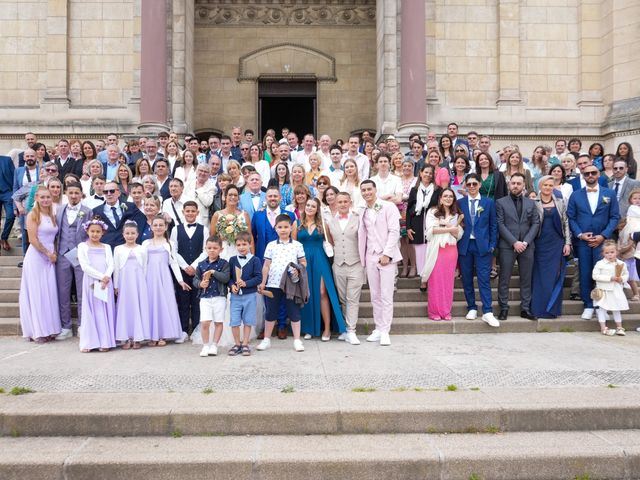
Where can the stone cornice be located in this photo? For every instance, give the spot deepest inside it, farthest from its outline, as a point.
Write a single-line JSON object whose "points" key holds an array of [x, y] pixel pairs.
{"points": [[231, 13]]}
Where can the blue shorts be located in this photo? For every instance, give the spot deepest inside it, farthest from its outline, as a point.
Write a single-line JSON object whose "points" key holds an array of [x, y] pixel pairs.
{"points": [[243, 310], [272, 306]]}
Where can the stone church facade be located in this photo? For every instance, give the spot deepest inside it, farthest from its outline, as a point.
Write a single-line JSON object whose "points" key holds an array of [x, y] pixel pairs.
{"points": [[530, 70]]}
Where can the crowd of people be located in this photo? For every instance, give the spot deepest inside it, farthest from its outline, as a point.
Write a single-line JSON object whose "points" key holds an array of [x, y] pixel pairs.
{"points": [[157, 239]]}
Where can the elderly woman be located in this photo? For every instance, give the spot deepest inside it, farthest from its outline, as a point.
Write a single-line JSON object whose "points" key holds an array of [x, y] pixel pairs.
{"points": [[202, 191], [94, 168], [552, 245]]}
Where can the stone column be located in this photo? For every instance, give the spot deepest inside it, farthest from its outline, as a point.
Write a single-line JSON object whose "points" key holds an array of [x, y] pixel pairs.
{"points": [[57, 86], [509, 52], [153, 76], [386, 63], [413, 68]]}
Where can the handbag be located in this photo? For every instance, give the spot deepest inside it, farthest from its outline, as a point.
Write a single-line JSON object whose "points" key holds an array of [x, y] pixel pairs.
{"points": [[597, 294], [326, 246]]}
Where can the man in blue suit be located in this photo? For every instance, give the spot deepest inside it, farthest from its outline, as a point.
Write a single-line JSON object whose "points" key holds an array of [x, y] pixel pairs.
{"points": [[579, 181], [253, 198], [262, 227], [7, 171], [593, 217], [114, 214], [475, 248], [28, 174]]}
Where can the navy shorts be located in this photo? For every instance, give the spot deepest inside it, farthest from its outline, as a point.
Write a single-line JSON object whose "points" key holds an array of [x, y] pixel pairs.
{"points": [[272, 306]]}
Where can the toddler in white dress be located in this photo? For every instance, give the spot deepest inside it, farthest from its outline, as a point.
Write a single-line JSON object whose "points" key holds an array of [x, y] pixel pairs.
{"points": [[611, 283]]}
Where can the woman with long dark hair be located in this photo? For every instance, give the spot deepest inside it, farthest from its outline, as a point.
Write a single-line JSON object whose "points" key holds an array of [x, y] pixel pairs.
{"points": [[625, 152]]}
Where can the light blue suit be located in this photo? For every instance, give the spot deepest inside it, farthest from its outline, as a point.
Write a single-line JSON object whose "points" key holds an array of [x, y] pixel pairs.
{"points": [[246, 202]]}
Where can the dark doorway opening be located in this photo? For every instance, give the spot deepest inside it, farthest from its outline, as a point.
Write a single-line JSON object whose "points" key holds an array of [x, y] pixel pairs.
{"points": [[290, 104]]}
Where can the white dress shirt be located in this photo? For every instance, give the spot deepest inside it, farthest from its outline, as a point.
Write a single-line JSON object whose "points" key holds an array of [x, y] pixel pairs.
{"points": [[593, 198]]}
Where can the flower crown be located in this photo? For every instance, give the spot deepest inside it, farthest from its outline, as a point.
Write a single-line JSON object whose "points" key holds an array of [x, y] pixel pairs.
{"points": [[95, 221]]}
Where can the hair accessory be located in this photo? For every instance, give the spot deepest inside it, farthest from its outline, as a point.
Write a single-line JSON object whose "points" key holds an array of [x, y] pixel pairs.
{"points": [[95, 221]]}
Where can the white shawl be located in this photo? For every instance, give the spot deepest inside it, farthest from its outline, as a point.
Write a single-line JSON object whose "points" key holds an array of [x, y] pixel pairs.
{"points": [[437, 241]]}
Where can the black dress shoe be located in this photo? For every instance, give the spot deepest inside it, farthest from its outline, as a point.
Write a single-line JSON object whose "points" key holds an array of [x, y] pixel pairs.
{"points": [[528, 315], [503, 314], [20, 265], [574, 296]]}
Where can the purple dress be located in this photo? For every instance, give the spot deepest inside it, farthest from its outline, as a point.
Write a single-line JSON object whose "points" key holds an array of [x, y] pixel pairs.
{"points": [[39, 309], [133, 302], [163, 309], [97, 324]]}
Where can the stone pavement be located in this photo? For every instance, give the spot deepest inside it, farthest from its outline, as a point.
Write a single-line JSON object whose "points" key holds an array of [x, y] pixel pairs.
{"points": [[413, 361]]}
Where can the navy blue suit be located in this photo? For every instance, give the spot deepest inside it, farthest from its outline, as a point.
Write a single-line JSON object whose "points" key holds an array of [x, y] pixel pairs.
{"points": [[7, 171], [603, 222], [476, 254], [263, 233], [113, 236]]}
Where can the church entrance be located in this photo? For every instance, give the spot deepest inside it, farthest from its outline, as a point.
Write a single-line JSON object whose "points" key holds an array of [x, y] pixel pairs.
{"points": [[287, 103]]}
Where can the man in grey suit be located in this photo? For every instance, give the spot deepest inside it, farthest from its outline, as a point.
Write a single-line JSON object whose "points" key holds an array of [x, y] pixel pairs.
{"points": [[622, 185], [347, 268], [518, 225], [70, 219]]}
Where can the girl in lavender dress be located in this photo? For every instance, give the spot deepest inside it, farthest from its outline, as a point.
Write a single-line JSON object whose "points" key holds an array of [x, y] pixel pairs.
{"points": [[39, 312], [132, 307], [97, 320], [161, 262]]}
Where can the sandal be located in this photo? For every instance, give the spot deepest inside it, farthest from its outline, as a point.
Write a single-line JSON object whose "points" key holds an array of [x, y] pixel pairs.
{"points": [[136, 345], [609, 332], [235, 350], [85, 350], [620, 331], [246, 351], [635, 298], [152, 343], [162, 342], [103, 349], [126, 345]]}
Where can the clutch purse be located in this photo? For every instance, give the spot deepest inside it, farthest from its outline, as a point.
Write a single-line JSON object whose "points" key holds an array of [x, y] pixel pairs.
{"points": [[326, 246], [597, 294]]}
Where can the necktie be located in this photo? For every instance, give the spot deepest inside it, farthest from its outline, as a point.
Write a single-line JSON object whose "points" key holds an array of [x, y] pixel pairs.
{"points": [[617, 186], [592, 190], [114, 210], [473, 216], [192, 224], [244, 257]]}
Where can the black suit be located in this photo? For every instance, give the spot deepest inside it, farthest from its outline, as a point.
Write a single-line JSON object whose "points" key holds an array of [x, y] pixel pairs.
{"points": [[113, 236], [415, 221], [68, 167]]}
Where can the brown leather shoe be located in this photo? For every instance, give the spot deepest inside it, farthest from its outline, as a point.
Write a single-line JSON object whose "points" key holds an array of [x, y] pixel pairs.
{"points": [[282, 333]]}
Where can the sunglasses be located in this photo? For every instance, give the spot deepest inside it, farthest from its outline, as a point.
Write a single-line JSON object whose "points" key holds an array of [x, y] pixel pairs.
{"points": [[619, 168], [110, 191], [591, 173], [459, 150], [321, 184], [472, 184], [50, 169]]}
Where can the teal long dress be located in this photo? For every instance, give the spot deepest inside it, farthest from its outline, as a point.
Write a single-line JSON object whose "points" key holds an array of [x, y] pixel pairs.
{"points": [[318, 268]]}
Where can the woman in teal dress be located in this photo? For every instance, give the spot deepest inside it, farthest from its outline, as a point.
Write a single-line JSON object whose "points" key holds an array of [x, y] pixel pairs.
{"points": [[323, 310]]}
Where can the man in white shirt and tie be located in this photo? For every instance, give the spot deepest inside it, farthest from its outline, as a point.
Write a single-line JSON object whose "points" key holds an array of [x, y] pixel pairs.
{"points": [[622, 185]]}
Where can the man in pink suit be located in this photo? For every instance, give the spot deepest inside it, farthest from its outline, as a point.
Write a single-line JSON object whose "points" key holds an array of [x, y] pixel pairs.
{"points": [[378, 237]]}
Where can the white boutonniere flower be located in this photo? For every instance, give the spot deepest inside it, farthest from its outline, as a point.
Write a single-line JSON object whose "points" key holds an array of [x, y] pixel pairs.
{"points": [[377, 207], [606, 200], [479, 210], [80, 214], [123, 206]]}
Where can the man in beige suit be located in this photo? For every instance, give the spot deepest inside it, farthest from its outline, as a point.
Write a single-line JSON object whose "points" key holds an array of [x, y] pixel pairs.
{"points": [[347, 268]]}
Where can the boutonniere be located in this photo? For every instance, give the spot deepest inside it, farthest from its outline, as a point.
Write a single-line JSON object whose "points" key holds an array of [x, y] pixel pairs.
{"points": [[606, 200], [123, 206], [479, 210], [377, 207], [263, 205], [80, 214]]}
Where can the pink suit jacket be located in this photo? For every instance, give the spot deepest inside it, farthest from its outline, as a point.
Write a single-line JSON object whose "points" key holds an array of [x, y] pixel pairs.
{"points": [[387, 232]]}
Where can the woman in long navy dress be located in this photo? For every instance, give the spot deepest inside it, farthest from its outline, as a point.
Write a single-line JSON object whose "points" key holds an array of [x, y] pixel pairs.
{"points": [[552, 245], [324, 304]]}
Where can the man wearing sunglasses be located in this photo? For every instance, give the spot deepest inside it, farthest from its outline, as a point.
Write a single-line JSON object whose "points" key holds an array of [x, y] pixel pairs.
{"points": [[622, 185], [475, 248], [115, 214], [593, 217], [579, 182]]}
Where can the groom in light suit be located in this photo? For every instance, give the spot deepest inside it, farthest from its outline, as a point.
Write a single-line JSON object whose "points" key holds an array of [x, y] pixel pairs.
{"points": [[253, 198], [518, 224], [378, 237], [593, 217], [69, 219], [347, 269]]}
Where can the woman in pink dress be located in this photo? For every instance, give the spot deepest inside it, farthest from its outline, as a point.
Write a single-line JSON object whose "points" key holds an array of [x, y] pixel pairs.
{"points": [[444, 229]]}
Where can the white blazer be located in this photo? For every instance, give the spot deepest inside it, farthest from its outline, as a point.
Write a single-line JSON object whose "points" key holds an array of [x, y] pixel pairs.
{"points": [[172, 250], [85, 264], [120, 256]]}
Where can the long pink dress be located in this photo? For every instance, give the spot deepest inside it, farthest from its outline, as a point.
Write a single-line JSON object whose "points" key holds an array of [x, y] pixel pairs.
{"points": [[439, 269]]}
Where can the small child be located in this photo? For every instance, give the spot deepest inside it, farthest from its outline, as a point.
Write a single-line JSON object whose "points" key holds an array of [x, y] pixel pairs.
{"points": [[628, 249], [243, 293], [132, 307], [277, 257], [212, 276], [97, 320], [611, 283]]}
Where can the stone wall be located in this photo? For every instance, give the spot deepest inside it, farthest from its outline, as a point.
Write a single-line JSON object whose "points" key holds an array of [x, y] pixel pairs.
{"points": [[221, 101]]}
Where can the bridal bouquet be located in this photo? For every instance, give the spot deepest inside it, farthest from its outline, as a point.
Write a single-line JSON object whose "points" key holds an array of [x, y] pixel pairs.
{"points": [[229, 226]]}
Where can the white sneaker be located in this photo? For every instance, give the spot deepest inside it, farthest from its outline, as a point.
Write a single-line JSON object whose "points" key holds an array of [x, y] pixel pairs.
{"points": [[264, 344], [587, 314], [64, 334], [213, 350], [182, 338], [205, 351], [342, 337], [385, 340], [298, 346], [307, 336], [351, 338], [490, 320], [472, 315], [374, 337]]}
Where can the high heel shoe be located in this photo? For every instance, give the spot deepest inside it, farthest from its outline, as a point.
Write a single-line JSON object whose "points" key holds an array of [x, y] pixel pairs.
{"points": [[405, 271], [423, 288]]}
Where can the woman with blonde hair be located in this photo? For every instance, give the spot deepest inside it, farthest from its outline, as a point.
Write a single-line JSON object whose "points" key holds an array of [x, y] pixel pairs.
{"points": [[396, 163], [173, 156], [123, 179], [300, 196], [142, 168], [39, 309], [187, 169], [516, 164], [350, 183]]}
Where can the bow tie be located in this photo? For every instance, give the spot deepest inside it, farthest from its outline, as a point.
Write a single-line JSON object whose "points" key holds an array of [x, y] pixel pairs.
{"points": [[98, 198], [254, 195], [192, 224], [72, 209], [343, 217], [595, 189], [244, 257]]}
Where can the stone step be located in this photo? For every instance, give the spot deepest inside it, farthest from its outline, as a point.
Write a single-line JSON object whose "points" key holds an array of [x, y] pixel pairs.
{"points": [[612, 454], [320, 413], [415, 295], [414, 283]]}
